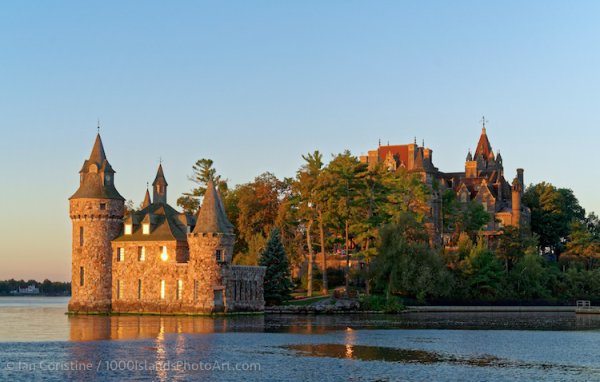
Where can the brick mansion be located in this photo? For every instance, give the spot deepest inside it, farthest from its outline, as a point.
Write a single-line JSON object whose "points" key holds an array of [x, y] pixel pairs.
{"points": [[482, 181], [155, 260]]}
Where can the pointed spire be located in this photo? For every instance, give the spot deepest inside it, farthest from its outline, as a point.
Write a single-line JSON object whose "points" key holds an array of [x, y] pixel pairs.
{"points": [[469, 156], [484, 148], [97, 155], [160, 176], [160, 186], [212, 217], [147, 200]]}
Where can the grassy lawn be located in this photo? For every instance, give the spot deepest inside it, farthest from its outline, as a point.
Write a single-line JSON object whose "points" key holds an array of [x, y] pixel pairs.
{"points": [[306, 301]]}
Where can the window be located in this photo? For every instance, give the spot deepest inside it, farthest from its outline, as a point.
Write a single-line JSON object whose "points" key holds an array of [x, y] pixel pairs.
{"points": [[218, 255], [195, 290], [81, 236], [119, 289], [120, 254], [164, 256], [102, 206], [179, 289], [139, 289], [81, 276], [162, 289], [141, 253], [146, 228], [128, 229]]}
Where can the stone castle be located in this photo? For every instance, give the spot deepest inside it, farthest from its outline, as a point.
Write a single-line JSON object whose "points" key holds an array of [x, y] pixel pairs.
{"points": [[482, 182], [155, 260]]}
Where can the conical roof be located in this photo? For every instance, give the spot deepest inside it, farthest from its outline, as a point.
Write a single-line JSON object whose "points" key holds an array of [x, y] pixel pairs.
{"points": [[160, 177], [147, 200], [97, 155], [484, 148], [212, 217]]}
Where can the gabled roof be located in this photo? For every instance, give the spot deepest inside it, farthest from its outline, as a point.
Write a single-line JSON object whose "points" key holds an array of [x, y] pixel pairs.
{"points": [[212, 217], [165, 225]]}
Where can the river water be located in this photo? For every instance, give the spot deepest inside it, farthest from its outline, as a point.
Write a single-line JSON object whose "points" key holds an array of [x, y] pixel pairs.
{"points": [[39, 342]]}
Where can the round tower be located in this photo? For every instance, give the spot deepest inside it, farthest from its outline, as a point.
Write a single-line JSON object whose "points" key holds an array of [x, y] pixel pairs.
{"points": [[517, 189], [211, 252], [96, 211]]}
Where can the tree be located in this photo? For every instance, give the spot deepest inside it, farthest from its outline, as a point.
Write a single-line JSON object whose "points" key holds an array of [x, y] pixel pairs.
{"points": [[406, 265], [512, 245], [583, 245], [202, 172], [483, 273], [552, 212], [278, 285]]}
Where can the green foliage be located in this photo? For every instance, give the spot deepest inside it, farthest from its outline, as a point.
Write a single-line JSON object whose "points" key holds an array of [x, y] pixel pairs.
{"points": [[46, 287], [483, 273], [381, 303], [406, 265], [202, 172], [552, 212], [278, 283]]}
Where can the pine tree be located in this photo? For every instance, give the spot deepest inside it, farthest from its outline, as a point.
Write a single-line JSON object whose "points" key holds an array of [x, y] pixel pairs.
{"points": [[278, 284]]}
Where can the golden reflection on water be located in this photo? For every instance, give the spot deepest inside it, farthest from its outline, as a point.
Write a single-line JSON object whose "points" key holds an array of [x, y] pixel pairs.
{"points": [[350, 341], [93, 328]]}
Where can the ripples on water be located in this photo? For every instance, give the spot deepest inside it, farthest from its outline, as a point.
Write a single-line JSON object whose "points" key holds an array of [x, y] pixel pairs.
{"points": [[536, 346]]}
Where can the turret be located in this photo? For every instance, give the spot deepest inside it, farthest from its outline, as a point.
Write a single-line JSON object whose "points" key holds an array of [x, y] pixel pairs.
{"points": [[160, 186], [96, 211], [211, 249], [516, 202]]}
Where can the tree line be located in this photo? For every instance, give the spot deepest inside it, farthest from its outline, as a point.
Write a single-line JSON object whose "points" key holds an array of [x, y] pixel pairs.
{"points": [[46, 287], [345, 209]]}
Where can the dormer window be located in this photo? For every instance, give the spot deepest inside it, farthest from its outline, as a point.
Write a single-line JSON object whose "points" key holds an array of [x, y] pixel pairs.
{"points": [[146, 228], [107, 177], [128, 229]]}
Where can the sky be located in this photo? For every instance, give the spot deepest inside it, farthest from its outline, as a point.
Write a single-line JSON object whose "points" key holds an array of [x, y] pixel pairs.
{"points": [[253, 85]]}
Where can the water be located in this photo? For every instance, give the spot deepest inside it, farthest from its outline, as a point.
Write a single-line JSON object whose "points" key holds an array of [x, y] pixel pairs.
{"points": [[39, 342]]}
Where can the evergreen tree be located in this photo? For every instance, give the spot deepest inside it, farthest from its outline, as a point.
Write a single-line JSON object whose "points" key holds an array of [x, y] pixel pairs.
{"points": [[278, 285]]}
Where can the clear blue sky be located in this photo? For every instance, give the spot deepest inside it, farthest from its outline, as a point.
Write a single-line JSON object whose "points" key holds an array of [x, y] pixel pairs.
{"points": [[255, 84]]}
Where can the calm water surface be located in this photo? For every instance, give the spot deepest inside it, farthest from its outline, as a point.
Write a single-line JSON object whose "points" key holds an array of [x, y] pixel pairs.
{"points": [[39, 342]]}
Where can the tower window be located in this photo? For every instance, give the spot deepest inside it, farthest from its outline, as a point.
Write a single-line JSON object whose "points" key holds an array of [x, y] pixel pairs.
{"points": [[179, 289], [141, 253], [119, 289], [164, 256], [219, 256], [81, 236], [162, 289], [120, 254], [81, 276], [102, 206], [139, 289], [146, 229], [128, 229]]}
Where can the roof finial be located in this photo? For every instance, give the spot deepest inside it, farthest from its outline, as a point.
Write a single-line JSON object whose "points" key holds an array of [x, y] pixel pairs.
{"points": [[415, 140], [483, 122], [147, 185], [379, 142], [98, 126], [388, 142], [160, 160], [423, 142]]}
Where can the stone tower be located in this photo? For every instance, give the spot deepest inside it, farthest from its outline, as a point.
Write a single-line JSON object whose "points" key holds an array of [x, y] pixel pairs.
{"points": [[96, 211], [517, 189], [211, 251]]}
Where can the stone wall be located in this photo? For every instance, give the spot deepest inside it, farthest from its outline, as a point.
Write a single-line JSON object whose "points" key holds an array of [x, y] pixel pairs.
{"points": [[95, 222], [245, 288]]}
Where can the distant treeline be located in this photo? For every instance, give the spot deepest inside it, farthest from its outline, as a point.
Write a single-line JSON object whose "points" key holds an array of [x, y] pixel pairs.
{"points": [[46, 287]]}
